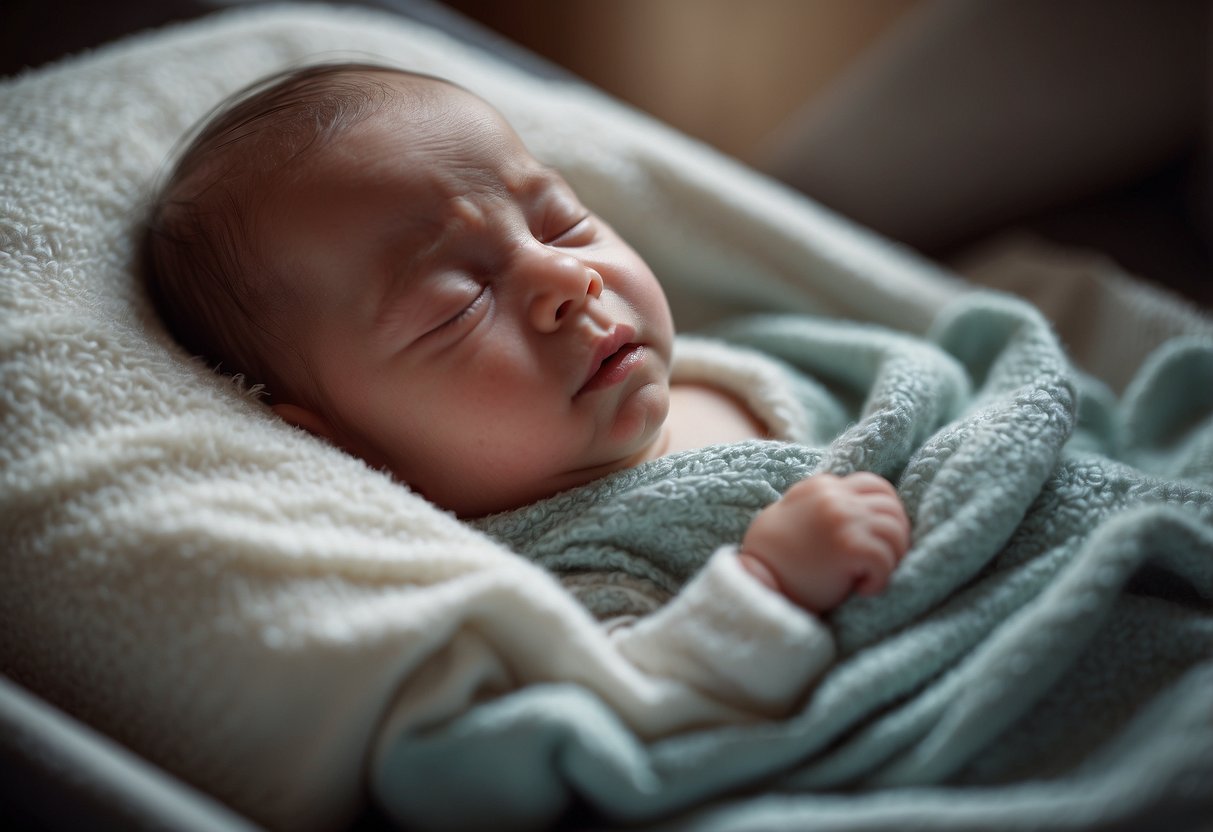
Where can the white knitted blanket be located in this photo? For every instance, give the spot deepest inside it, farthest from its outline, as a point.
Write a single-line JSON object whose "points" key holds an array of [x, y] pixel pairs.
{"points": [[241, 603]]}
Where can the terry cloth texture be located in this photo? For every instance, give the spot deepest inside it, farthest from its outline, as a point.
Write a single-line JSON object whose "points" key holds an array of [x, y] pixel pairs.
{"points": [[256, 612]]}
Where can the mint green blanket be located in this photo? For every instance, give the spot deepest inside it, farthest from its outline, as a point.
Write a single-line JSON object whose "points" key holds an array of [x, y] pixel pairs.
{"points": [[1043, 658]]}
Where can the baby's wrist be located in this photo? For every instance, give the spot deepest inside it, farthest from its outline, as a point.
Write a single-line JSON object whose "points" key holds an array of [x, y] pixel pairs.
{"points": [[759, 570]]}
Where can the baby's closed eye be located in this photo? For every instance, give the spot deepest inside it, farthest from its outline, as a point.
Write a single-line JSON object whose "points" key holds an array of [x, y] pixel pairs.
{"points": [[468, 310], [571, 233]]}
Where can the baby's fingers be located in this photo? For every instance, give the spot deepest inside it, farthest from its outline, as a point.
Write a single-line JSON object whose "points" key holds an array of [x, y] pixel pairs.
{"points": [[871, 571], [885, 541], [890, 529], [865, 482], [888, 505]]}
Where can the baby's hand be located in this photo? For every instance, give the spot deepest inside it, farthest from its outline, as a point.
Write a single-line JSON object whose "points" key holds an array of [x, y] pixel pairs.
{"points": [[828, 536]]}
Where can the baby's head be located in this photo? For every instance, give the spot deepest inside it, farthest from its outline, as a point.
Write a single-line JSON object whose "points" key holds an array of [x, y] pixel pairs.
{"points": [[382, 253]]}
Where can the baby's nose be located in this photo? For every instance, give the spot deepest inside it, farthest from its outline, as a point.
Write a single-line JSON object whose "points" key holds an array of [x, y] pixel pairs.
{"points": [[560, 285]]}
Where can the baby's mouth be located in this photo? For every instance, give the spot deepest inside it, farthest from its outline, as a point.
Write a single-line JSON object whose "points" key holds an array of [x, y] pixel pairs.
{"points": [[615, 367], [612, 360]]}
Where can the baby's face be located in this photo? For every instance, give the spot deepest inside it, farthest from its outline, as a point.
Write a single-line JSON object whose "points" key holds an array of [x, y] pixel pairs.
{"points": [[471, 326]]}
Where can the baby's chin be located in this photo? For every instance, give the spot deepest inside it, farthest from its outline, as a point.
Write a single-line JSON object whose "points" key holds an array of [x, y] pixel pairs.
{"points": [[647, 440], [640, 420]]}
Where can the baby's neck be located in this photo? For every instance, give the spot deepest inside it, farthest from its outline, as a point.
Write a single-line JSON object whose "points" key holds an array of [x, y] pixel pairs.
{"points": [[701, 415]]}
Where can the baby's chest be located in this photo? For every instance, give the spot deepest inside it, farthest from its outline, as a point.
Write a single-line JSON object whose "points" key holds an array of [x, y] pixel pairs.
{"points": [[701, 415]]}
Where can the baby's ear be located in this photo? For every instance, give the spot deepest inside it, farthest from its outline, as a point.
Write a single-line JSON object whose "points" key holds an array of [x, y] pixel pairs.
{"points": [[310, 421]]}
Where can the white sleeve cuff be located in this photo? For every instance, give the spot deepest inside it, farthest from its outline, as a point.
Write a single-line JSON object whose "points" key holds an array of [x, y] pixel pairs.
{"points": [[733, 639]]}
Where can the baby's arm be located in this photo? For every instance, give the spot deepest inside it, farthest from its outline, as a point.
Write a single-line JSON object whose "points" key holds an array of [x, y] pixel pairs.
{"points": [[826, 537], [729, 636]]}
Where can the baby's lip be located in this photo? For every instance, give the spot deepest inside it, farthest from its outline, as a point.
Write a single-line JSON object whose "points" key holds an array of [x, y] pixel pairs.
{"points": [[618, 337]]}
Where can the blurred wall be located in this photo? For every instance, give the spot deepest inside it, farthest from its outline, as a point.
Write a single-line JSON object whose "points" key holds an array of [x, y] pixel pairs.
{"points": [[725, 71]]}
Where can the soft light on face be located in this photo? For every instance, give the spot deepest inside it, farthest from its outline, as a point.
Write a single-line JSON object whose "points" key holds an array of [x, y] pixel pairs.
{"points": [[470, 325]]}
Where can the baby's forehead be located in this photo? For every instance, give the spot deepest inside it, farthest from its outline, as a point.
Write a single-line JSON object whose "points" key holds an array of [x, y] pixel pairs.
{"points": [[419, 95], [439, 124]]}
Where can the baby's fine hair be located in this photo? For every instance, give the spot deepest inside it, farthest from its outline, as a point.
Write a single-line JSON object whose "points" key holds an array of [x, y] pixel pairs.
{"points": [[209, 283]]}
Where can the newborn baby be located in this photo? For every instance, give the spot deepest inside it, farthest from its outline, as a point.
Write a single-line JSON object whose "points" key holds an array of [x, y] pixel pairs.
{"points": [[380, 251]]}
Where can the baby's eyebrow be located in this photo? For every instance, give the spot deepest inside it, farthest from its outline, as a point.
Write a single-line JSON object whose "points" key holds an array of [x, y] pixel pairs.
{"points": [[400, 260], [427, 236]]}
